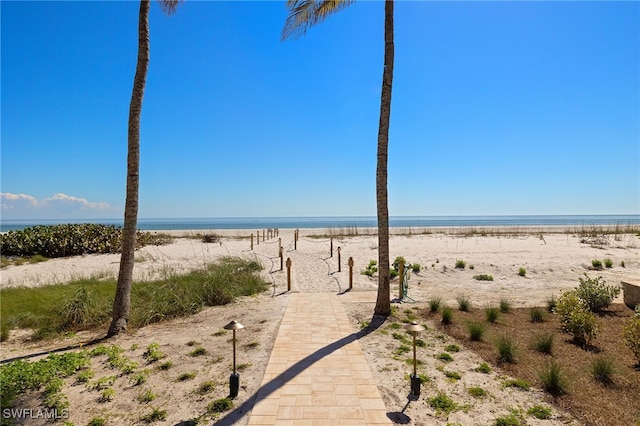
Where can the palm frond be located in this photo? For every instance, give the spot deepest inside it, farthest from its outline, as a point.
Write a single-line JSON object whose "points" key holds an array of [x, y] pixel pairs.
{"points": [[169, 6], [303, 14]]}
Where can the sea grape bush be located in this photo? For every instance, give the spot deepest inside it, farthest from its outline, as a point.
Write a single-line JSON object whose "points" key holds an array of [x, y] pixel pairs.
{"points": [[576, 318], [632, 334], [70, 240], [595, 293]]}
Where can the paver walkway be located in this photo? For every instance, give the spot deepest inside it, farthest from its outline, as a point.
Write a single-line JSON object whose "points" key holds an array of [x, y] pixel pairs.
{"points": [[317, 373]]}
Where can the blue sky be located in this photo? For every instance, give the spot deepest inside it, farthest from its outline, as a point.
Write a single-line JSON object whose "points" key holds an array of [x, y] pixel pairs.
{"points": [[498, 108]]}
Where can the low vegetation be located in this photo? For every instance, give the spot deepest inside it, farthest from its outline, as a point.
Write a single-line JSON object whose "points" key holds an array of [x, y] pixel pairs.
{"points": [[86, 303]]}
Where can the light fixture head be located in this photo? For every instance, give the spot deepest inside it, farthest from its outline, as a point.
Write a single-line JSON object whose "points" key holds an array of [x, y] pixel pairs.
{"points": [[414, 327], [233, 325]]}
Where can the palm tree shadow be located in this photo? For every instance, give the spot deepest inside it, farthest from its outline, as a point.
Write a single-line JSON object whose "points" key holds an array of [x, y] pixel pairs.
{"points": [[276, 383]]}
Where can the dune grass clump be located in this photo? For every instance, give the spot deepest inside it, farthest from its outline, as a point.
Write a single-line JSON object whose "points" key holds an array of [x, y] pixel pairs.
{"points": [[220, 405], [551, 304], [483, 277], [522, 272], [536, 315], [156, 415], [371, 268], [463, 303], [596, 264], [442, 404], [477, 392], [447, 315], [483, 368], [553, 379], [506, 350], [434, 305], [543, 343], [460, 264], [476, 331], [492, 314], [505, 306], [540, 412], [608, 263], [602, 370]]}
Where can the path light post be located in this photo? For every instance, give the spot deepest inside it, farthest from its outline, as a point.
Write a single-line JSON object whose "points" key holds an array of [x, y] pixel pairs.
{"points": [[414, 328], [234, 379]]}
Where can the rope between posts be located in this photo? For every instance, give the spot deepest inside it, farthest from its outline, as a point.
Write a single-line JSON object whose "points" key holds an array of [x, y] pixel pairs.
{"points": [[271, 271], [314, 240], [331, 275]]}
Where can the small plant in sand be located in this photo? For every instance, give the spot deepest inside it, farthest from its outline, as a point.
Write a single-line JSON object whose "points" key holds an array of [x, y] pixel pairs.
{"points": [[447, 315], [509, 420], [602, 370], [622, 264], [551, 303], [97, 421], [492, 314], [543, 343], [553, 379], [483, 277], [460, 264], [442, 404], [516, 383], [483, 368], [434, 305], [107, 395], [476, 330], [371, 269], [156, 415], [146, 396], [631, 334], [206, 387], [153, 353], [220, 405], [522, 272], [445, 357], [608, 263], [200, 351], [84, 376], [186, 376], [505, 306], [596, 264], [506, 350], [139, 378], [540, 412], [102, 383], [166, 365], [463, 303], [477, 392], [415, 267], [452, 375], [452, 348]]}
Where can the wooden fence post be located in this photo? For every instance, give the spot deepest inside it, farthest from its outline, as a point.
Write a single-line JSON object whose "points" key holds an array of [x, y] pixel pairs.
{"points": [[339, 263], [401, 278], [350, 273], [280, 258], [288, 274], [258, 237], [331, 248], [252, 241]]}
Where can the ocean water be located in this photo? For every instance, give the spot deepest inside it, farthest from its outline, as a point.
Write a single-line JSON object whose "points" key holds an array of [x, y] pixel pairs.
{"points": [[344, 222]]}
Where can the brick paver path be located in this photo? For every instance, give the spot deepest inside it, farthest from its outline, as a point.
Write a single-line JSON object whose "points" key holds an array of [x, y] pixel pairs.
{"points": [[317, 373]]}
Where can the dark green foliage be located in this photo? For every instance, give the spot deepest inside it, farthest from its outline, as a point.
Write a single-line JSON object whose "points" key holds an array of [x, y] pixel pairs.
{"points": [[434, 305], [506, 350], [602, 370], [372, 268], [543, 343], [595, 293], [220, 405], [444, 356], [452, 348], [460, 264], [483, 368], [463, 303], [483, 277], [492, 314], [517, 383], [477, 392], [447, 315], [551, 303], [70, 240], [522, 272], [505, 306], [536, 314], [155, 415], [540, 412], [509, 420], [476, 330], [442, 404]]}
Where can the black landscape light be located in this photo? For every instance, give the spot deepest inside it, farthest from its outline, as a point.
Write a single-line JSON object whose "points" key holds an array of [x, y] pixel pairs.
{"points": [[234, 379], [414, 328]]}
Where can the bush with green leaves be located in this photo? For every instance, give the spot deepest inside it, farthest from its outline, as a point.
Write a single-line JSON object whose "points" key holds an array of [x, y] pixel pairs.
{"points": [[460, 264], [522, 272], [631, 334], [595, 293], [476, 330], [442, 404], [70, 240], [576, 318], [483, 277], [371, 269]]}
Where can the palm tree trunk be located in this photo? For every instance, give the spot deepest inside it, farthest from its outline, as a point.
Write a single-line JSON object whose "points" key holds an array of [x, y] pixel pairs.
{"points": [[122, 301], [383, 302]]}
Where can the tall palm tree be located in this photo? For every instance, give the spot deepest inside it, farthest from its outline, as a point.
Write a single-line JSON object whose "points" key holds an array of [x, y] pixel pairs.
{"points": [[303, 14], [122, 301]]}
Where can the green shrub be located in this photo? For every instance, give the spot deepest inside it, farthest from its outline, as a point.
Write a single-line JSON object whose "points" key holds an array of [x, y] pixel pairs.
{"points": [[505, 306], [166, 365], [434, 305], [4, 331], [198, 352], [453, 375], [97, 421], [522, 272], [543, 343], [107, 395], [595, 293], [622, 263], [186, 376], [576, 318], [476, 330], [415, 267], [602, 370], [517, 383], [156, 415], [553, 380], [146, 396], [483, 277], [452, 348], [460, 264], [371, 269], [608, 263], [447, 315], [597, 264], [508, 420], [446, 357], [492, 314], [506, 350], [153, 352], [536, 314], [631, 334], [393, 273]]}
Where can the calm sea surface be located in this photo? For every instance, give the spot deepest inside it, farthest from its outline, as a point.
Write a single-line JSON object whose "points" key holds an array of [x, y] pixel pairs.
{"points": [[342, 222]]}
